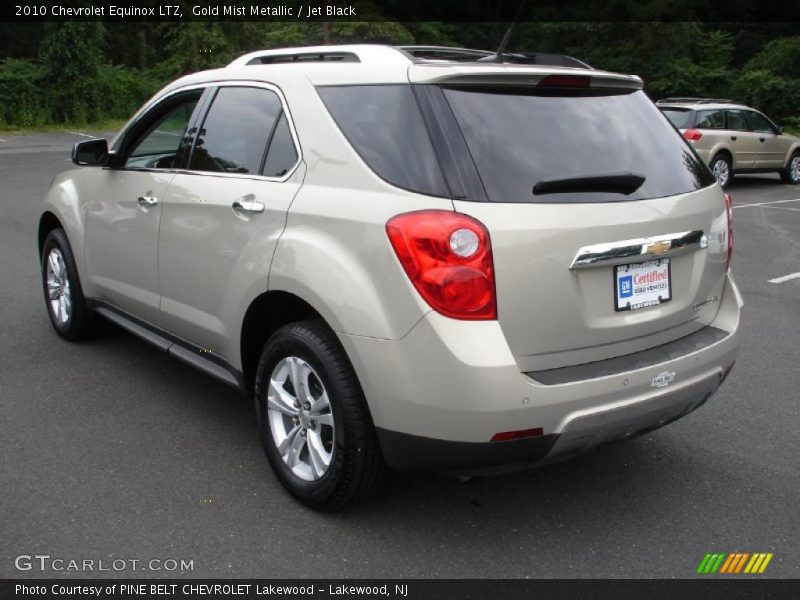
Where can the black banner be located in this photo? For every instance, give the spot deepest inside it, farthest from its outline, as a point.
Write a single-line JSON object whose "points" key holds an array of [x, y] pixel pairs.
{"points": [[462, 589], [399, 10]]}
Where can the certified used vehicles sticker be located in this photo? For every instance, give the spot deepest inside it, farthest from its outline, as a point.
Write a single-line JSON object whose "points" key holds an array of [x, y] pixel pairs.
{"points": [[663, 379]]}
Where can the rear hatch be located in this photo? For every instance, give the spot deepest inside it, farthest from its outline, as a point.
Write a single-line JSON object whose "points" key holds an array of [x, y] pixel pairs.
{"points": [[622, 245]]}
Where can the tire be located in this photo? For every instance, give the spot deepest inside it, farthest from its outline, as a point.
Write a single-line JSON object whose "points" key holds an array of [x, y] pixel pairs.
{"points": [[67, 308], [341, 432], [791, 174], [722, 169]]}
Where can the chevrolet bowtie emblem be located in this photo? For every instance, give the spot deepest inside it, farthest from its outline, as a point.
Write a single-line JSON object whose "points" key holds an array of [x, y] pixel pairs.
{"points": [[658, 247]]}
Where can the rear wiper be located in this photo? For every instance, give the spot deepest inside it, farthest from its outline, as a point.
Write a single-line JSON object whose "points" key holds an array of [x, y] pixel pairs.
{"points": [[623, 182]]}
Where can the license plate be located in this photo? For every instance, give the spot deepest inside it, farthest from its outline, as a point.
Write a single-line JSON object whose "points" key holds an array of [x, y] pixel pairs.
{"points": [[639, 285]]}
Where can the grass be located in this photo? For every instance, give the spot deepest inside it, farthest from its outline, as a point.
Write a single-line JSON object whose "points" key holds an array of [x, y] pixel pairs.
{"points": [[104, 125]]}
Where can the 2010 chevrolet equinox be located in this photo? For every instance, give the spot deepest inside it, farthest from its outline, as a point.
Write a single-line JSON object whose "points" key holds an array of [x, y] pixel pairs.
{"points": [[444, 261]]}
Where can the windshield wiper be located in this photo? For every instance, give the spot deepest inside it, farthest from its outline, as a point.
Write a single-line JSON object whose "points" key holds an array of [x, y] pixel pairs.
{"points": [[623, 182]]}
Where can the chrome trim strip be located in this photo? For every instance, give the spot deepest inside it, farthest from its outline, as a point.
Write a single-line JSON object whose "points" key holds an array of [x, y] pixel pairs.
{"points": [[639, 249]]}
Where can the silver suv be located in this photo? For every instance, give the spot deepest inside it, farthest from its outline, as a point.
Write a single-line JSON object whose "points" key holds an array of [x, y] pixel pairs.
{"points": [[733, 138], [450, 264]]}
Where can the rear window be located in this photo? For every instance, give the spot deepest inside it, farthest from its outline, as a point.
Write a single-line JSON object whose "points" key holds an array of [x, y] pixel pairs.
{"points": [[681, 118], [519, 138], [384, 125]]}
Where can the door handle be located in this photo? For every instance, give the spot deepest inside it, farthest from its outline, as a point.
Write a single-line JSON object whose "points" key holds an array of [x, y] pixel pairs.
{"points": [[734, 138], [248, 204], [762, 139], [148, 200]]}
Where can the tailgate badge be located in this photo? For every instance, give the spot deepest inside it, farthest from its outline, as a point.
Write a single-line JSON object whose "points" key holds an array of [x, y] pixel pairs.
{"points": [[659, 247], [663, 379]]}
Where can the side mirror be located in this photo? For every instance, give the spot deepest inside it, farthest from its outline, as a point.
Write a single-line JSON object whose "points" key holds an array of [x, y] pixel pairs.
{"points": [[780, 129], [91, 153]]}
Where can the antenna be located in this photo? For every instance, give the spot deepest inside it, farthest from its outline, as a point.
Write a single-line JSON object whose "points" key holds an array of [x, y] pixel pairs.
{"points": [[497, 57]]}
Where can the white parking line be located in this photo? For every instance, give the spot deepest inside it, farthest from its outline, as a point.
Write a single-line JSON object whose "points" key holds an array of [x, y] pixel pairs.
{"points": [[765, 203], [2, 140], [86, 135], [785, 278]]}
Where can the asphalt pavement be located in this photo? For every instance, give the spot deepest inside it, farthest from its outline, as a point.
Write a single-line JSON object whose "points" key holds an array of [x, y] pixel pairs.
{"points": [[111, 451]]}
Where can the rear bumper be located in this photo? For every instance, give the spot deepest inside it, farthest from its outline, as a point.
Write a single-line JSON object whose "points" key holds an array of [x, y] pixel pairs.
{"points": [[440, 394], [581, 433]]}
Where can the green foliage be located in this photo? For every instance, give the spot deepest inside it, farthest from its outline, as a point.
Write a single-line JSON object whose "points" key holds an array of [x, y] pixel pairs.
{"points": [[82, 71]]}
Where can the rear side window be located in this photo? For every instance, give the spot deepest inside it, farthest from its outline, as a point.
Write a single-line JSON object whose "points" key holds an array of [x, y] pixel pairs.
{"points": [[233, 138], [521, 137], [736, 121], [282, 155], [681, 118], [385, 127], [710, 119]]}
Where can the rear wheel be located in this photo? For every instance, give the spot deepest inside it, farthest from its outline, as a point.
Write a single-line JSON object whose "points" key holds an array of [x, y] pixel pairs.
{"points": [[722, 169], [791, 174], [314, 423], [69, 313]]}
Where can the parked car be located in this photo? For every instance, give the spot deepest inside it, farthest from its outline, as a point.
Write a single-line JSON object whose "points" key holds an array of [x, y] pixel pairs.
{"points": [[452, 265], [733, 138]]}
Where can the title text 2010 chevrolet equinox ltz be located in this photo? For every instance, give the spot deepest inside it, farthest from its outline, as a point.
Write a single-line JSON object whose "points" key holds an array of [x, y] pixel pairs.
{"points": [[453, 265]]}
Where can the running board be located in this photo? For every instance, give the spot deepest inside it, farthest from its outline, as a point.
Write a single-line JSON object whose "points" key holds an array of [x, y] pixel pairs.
{"points": [[210, 364]]}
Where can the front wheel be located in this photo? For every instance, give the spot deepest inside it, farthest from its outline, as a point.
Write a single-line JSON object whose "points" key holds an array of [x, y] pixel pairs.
{"points": [[66, 306], [315, 426], [791, 174], [722, 170]]}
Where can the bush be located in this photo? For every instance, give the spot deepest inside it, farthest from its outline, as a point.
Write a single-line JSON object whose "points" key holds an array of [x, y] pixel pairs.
{"points": [[22, 101]]}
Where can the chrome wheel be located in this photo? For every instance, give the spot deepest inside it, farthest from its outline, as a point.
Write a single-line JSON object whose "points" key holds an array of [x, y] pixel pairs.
{"points": [[794, 169], [58, 291], [300, 418], [722, 171]]}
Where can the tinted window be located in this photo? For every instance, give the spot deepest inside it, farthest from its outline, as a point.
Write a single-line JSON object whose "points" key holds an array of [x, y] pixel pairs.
{"points": [[736, 121], [282, 155], [519, 139], [157, 146], [710, 119], [234, 135], [384, 125], [759, 122], [681, 118]]}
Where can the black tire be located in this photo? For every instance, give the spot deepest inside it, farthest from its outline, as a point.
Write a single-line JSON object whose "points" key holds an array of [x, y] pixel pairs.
{"points": [[720, 162], [356, 467], [80, 322], [786, 174]]}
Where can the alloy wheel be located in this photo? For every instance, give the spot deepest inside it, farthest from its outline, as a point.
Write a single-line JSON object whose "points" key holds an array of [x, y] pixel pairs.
{"points": [[300, 418], [58, 291], [721, 171]]}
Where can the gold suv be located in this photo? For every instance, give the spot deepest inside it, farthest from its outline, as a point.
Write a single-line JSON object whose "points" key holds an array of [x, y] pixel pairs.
{"points": [[733, 138]]}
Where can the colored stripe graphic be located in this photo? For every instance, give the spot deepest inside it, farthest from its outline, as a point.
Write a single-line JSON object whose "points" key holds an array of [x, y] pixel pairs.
{"points": [[734, 563]]}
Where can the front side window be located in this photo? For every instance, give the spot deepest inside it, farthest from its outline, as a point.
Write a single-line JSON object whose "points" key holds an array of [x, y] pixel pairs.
{"points": [[759, 122], [710, 119], [159, 143], [384, 125], [736, 121], [234, 134], [522, 138]]}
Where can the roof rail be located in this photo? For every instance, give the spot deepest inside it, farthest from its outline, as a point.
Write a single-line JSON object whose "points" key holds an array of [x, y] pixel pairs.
{"points": [[361, 53], [377, 54], [444, 53], [698, 101]]}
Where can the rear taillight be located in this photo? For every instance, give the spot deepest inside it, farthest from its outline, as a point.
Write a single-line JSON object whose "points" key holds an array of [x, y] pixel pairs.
{"points": [[448, 257], [692, 135], [729, 215]]}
